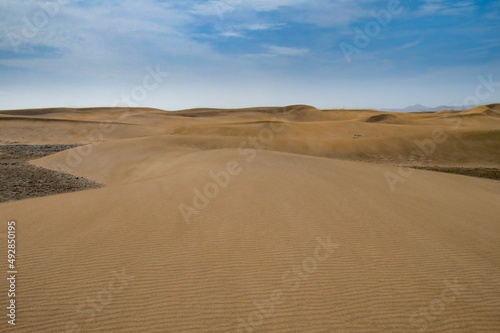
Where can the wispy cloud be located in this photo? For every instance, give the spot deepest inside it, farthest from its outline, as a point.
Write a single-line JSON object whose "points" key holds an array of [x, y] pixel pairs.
{"points": [[446, 7], [262, 26], [279, 51], [232, 33], [286, 51], [113, 34], [242, 31], [221, 7], [408, 45]]}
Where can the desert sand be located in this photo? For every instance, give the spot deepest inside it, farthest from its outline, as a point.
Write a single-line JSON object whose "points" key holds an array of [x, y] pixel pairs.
{"points": [[285, 219]]}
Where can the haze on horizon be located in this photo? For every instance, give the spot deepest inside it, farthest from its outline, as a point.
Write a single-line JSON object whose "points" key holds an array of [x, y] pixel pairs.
{"points": [[239, 53]]}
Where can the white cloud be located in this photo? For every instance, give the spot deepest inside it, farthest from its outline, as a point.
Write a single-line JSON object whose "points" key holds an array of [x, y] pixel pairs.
{"points": [[232, 33], [241, 31], [286, 51], [112, 35], [221, 7], [431, 7], [408, 45], [318, 12], [279, 51], [263, 26], [269, 5], [445, 7]]}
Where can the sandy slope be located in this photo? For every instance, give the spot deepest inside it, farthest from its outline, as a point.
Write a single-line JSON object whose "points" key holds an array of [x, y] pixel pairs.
{"points": [[307, 228]]}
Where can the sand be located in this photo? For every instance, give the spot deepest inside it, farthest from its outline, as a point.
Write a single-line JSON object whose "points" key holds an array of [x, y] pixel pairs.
{"points": [[286, 219]]}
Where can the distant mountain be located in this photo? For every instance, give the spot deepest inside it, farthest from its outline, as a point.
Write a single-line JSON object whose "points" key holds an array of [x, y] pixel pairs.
{"points": [[423, 108], [416, 108]]}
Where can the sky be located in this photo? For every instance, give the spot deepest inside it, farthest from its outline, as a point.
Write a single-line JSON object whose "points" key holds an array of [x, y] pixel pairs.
{"points": [[176, 54]]}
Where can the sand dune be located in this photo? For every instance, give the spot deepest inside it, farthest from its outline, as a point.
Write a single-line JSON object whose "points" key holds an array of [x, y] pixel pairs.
{"points": [[280, 219]]}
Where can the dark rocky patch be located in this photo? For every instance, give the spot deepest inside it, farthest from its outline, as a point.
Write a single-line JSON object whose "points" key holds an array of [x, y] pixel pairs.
{"points": [[21, 180], [490, 173]]}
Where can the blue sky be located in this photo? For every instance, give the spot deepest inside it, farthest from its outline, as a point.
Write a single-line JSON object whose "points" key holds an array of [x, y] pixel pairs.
{"points": [[237, 53]]}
